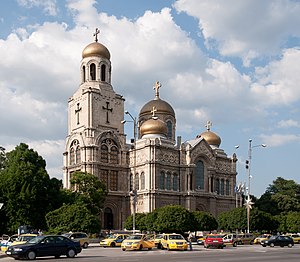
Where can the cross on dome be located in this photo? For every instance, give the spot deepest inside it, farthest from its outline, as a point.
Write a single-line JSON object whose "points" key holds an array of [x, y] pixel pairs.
{"points": [[96, 34], [208, 125], [156, 87], [153, 111]]}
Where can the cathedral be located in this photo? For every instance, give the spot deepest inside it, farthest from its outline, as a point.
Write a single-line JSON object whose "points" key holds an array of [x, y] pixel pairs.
{"points": [[156, 168]]}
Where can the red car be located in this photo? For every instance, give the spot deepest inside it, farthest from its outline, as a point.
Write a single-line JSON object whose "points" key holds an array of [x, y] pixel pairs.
{"points": [[214, 240]]}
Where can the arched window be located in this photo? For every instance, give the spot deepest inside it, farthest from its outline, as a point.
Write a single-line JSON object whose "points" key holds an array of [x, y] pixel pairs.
{"points": [[168, 182], [83, 74], [131, 182], [72, 156], [104, 153], [169, 127], [199, 175], [136, 181], [227, 188], [103, 72], [222, 187], [93, 71], [175, 182], [142, 181], [217, 186], [114, 155], [78, 155], [162, 180]]}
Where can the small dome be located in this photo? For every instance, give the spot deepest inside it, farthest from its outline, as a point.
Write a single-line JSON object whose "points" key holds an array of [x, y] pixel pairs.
{"points": [[95, 49], [211, 138], [161, 106], [154, 126]]}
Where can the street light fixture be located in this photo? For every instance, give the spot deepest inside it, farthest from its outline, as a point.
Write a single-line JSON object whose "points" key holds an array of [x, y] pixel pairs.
{"points": [[249, 202], [133, 193]]}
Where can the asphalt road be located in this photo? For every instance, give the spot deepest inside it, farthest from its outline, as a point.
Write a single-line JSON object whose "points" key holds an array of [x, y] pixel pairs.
{"points": [[199, 253]]}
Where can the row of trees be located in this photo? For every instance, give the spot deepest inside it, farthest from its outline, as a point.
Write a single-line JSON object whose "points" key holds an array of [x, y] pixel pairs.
{"points": [[31, 197]]}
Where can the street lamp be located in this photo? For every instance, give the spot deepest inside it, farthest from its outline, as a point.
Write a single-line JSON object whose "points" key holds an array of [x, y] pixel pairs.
{"points": [[133, 193], [249, 202]]}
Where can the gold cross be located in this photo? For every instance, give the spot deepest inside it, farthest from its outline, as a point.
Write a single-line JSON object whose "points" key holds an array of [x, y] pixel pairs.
{"points": [[153, 111], [156, 87], [208, 125], [96, 34]]}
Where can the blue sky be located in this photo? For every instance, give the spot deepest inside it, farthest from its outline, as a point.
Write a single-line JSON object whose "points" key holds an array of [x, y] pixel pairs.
{"points": [[233, 62]]}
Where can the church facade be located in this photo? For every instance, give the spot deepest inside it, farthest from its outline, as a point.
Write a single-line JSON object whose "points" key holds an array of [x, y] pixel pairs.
{"points": [[157, 168]]}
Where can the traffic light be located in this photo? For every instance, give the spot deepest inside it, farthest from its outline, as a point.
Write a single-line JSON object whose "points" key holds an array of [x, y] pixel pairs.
{"points": [[247, 164]]}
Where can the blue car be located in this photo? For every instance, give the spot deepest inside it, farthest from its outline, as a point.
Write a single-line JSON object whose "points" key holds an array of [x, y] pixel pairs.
{"points": [[42, 246]]}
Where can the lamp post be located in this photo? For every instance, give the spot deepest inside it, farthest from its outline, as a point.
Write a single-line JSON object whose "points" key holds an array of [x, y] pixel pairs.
{"points": [[133, 192], [249, 202]]}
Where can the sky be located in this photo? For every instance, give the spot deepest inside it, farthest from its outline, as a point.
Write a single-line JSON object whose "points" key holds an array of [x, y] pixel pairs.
{"points": [[235, 63]]}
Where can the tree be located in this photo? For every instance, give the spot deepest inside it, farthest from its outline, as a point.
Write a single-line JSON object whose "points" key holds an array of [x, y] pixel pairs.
{"points": [[73, 217], [2, 157], [90, 191], [28, 193], [204, 221], [139, 222], [174, 218]]}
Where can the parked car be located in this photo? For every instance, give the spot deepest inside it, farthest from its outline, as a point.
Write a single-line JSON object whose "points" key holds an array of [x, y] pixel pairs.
{"points": [[214, 240], [6, 243], [200, 240], [295, 237], [174, 242], [22, 239], [260, 238], [42, 246], [79, 236], [245, 239], [157, 240], [137, 242], [230, 240], [114, 240], [278, 241]]}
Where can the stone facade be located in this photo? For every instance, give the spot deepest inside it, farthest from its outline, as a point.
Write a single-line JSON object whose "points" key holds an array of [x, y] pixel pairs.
{"points": [[196, 174]]}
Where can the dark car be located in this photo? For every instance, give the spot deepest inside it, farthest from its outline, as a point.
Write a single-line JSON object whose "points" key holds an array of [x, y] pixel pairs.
{"points": [[278, 241], [42, 246]]}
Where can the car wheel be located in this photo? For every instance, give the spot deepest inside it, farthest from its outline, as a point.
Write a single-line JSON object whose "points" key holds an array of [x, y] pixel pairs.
{"points": [[234, 244], [168, 248], [140, 247], [272, 245], [57, 256], [31, 255], [290, 245], [113, 244], [85, 245], [123, 249], [71, 253], [149, 248], [264, 245]]}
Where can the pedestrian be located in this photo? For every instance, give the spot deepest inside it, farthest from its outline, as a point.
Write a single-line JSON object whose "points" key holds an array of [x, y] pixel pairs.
{"points": [[190, 241]]}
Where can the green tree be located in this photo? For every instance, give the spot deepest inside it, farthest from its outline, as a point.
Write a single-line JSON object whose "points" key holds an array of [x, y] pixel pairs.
{"points": [[28, 192], [293, 222], [139, 222], [90, 191], [204, 221], [174, 218], [73, 217]]}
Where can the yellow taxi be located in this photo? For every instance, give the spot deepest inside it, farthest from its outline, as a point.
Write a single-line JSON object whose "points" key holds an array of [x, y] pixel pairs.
{"points": [[6, 243], [174, 241], [137, 242], [157, 240], [260, 238], [23, 238], [114, 240], [295, 237]]}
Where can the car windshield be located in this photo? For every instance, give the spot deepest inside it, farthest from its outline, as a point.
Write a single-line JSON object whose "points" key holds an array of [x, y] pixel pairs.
{"points": [[215, 236], [36, 240], [26, 238], [176, 237], [135, 237], [273, 237], [112, 236], [159, 236], [66, 234]]}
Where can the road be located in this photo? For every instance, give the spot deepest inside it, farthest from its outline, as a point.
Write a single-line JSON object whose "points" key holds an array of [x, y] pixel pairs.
{"points": [[199, 253]]}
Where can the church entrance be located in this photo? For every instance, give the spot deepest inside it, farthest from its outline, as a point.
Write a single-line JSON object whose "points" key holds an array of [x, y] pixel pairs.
{"points": [[108, 218]]}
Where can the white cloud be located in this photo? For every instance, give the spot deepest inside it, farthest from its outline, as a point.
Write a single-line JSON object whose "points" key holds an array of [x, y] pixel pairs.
{"points": [[248, 28], [49, 6], [276, 140], [288, 123]]}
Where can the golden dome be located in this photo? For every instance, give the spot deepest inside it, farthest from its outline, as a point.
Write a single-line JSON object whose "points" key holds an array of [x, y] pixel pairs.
{"points": [[95, 49], [154, 126], [161, 106], [211, 138]]}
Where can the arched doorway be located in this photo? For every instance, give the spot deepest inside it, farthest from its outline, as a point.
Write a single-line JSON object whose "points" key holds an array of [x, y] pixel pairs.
{"points": [[108, 218]]}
